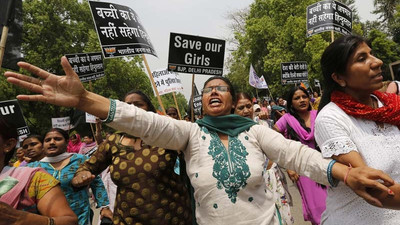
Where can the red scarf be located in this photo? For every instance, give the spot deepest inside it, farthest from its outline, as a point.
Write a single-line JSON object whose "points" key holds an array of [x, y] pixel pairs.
{"points": [[389, 113]]}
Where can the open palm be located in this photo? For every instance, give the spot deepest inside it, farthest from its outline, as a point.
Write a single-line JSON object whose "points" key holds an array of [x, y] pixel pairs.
{"points": [[58, 90]]}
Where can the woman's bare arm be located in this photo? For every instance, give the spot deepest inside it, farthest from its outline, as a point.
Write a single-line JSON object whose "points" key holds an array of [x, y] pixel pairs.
{"points": [[52, 205]]}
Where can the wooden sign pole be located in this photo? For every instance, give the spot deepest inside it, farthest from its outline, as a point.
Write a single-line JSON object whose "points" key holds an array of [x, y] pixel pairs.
{"points": [[3, 43], [176, 105], [154, 85], [191, 100], [91, 125]]}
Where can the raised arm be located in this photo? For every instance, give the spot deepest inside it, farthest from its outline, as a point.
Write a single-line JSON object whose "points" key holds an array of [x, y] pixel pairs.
{"points": [[161, 131], [65, 90]]}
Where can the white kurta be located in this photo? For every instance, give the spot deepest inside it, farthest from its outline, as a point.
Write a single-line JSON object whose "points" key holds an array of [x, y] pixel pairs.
{"points": [[338, 133], [229, 185]]}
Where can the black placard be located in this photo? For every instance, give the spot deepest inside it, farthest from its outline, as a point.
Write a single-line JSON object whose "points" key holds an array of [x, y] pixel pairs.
{"points": [[12, 113], [88, 66], [294, 72], [120, 30], [195, 54], [197, 105], [329, 15]]}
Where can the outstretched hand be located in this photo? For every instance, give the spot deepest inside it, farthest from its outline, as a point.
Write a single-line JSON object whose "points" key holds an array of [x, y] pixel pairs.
{"points": [[57, 90], [361, 179]]}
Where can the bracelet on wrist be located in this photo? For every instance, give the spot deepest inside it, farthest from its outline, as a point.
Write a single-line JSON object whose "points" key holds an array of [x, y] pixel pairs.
{"points": [[347, 174], [332, 181], [111, 111]]}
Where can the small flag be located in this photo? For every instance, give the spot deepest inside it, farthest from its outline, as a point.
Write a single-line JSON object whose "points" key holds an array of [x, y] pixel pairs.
{"points": [[253, 78], [256, 81], [263, 84]]}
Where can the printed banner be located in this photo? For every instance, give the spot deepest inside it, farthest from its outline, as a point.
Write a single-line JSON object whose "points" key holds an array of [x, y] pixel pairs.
{"points": [[61, 122], [12, 113], [329, 15], [120, 30], [197, 105], [88, 66], [167, 81], [294, 72], [195, 54]]}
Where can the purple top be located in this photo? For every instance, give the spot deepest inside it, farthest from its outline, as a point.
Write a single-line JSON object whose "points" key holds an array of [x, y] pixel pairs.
{"points": [[305, 137]]}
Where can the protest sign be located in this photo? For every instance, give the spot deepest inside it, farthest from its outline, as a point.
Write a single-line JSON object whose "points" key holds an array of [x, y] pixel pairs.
{"points": [[329, 16], [88, 66], [317, 83], [61, 122], [197, 104], [167, 81], [12, 113], [195, 54], [119, 30], [90, 118], [294, 72]]}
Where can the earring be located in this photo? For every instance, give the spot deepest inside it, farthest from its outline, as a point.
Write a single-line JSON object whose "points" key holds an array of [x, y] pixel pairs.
{"points": [[343, 85]]}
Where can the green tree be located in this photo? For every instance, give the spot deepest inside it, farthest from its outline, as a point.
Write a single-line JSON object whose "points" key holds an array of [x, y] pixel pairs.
{"points": [[385, 49], [275, 32], [53, 28]]}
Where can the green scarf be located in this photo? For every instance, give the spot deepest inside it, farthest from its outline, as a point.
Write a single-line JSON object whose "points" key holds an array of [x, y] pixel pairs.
{"points": [[231, 125]]}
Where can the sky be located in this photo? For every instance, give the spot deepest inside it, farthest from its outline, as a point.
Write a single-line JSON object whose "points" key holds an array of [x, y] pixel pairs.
{"points": [[207, 18]]}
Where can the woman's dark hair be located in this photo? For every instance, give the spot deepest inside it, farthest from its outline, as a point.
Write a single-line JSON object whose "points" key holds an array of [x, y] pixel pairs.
{"points": [[61, 131], [37, 136], [243, 95], [290, 132], [144, 97], [7, 132], [171, 107], [334, 60], [226, 80]]}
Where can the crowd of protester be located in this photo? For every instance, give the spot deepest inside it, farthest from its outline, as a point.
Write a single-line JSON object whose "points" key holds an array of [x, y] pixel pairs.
{"points": [[341, 150]]}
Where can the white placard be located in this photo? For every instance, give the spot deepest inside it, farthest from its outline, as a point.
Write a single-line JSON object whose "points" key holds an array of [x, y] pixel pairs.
{"points": [[167, 81], [90, 118], [62, 123]]}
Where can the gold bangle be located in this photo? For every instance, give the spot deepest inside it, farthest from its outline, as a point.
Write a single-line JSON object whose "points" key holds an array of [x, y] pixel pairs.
{"points": [[51, 221]]}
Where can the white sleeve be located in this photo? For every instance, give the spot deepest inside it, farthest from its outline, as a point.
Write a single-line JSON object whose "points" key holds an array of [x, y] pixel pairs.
{"points": [[292, 155], [332, 132], [157, 130]]}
